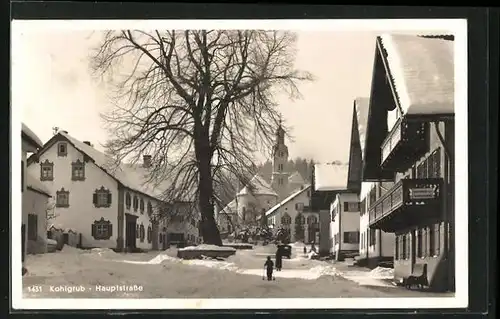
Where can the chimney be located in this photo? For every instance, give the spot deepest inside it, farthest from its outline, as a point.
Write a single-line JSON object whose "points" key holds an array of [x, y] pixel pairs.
{"points": [[146, 159], [88, 143]]}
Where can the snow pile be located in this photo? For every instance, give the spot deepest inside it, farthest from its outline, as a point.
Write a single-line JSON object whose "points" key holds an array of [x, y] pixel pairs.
{"points": [[103, 252], [325, 271], [155, 261], [223, 265], [311, 254], [69, 249], [382, 272], [208, 248]]}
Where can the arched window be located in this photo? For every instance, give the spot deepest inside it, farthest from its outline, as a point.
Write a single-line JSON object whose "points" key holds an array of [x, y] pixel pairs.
{"points": [[142, 233], [136, 203], [300, 220], [286, 219], [141, 206], [128, 200], [150, 209], [150, 234]]}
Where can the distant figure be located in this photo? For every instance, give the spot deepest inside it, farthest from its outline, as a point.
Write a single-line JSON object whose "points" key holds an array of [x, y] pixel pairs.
{"points": [[279, 260], [305, 250], [313, 248], [269, 265]]}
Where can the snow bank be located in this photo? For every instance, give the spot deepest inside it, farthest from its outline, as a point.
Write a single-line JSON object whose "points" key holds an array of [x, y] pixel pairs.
{"points": [[212, 264], [382, 272], [208, 248], [155, 261], [307, 274], [103, 252], [70, 249]]}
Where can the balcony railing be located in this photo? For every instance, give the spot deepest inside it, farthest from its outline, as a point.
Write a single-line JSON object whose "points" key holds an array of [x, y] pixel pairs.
{"points": [[406, 142], [407, 193]]}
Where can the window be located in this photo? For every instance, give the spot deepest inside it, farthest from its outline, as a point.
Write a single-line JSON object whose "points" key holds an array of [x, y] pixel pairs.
{"points": [[425, 248], [280, 167], [128, 200], [404, 246], [141, 206], [102, 198], [46, 171], [299, 206], [150, 209], [300, 220], [286, 219], [419, 244], [351, 207], [362, 208], [102, 229], [396, 248], [280, 181], [282, 154], [62, 198], [351, 237], [78, 171], [137, 231], [62, 149], [311, 220], [142, 233], [150, 234], [136, 203], [373, 237], [373, 196], [32, 227], [435, 239], [434, 165]]}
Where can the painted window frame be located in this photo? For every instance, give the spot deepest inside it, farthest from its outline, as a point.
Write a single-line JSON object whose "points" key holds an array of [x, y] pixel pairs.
{"points": [[142, 233], [75, 166], [128, 200], [141, 206], [135, 203], [150, 209], [49, 165], [150, 235], [286, 219], [62, 153], [59, 199], [98, 196], [102, 229]]}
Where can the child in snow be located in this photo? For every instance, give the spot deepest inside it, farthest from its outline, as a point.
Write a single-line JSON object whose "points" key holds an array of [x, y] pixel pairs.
{"points": [[269, 268]]}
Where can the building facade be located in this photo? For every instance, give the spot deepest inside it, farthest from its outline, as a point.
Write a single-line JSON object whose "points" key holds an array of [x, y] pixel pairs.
{"points": [[344, 226], [410, 144], [111, 205], [294, 216], [34, 199]]}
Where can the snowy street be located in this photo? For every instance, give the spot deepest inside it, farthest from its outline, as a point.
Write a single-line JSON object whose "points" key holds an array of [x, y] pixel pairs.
{"points": [[73, 273]]}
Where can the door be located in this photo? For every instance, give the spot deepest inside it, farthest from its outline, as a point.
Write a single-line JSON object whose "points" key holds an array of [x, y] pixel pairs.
{"points": [[130, 231]]}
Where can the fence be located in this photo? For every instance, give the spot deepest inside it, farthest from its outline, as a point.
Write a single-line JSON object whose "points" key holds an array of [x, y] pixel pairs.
{"points": [[63, 237]]}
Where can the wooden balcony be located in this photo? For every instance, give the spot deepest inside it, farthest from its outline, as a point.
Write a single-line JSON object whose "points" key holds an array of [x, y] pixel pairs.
{"points": [[405, 143], [408, 202]]}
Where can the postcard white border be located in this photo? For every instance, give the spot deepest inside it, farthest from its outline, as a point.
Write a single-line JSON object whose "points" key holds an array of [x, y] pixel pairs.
{"points": [[456, 26]]}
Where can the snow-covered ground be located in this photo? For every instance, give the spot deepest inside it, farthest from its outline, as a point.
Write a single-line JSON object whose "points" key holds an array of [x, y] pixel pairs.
{"points": [[162, 275]]}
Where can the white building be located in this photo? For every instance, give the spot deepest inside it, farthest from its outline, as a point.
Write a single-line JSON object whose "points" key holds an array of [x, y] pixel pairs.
{"points": [[34, 200], [344, 226], [376, 246], [110, 205], [329, 180], [292, 215]]}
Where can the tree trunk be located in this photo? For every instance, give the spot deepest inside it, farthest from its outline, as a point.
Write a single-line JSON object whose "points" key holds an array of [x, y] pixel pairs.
{"points": [[209, 230]]}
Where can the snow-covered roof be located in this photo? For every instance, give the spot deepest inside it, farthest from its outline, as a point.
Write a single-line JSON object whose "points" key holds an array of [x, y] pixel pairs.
{"points": [[296, 178], [133, 176], [29, 133], [330, 177], [422, 70], [257, 186], [36, 185], [361, 105], [231, 208], [286, 200]]}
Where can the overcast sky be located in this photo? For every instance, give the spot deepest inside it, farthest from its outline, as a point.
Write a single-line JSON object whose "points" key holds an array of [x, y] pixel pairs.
{"points": [[53, 86]]}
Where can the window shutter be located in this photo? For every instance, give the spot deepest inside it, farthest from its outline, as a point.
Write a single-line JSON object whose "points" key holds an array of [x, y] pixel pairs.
{"points": [[94, 198], [93, 229], [109, 198], [110, 230]]}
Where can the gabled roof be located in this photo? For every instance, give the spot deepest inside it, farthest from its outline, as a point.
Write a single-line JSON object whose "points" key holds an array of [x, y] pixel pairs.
{"points": [[36, 185], [286, 200], [32, 138], [257, 186], [132, 176], [422, 72], [296, 178], [231, 208], [330, 177]]}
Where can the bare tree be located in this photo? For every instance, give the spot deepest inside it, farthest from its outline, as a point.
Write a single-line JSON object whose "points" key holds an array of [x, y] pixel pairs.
{"points": [[201, 102]]}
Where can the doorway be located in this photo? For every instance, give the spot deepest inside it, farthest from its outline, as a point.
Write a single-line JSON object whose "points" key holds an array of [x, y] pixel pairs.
{"points": [[23, 241], [130, 231]]}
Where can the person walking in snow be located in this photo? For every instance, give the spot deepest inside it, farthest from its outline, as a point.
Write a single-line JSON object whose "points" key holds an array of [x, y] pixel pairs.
{"points": [[269, 265], [279, 260], [305, 250]]}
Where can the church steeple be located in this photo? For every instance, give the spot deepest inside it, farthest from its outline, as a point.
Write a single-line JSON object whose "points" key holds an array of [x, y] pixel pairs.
{"points": [[280, 159]]}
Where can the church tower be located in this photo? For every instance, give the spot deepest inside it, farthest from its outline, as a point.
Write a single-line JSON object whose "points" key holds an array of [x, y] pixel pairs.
{"points": [[279, 179]]}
